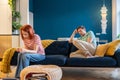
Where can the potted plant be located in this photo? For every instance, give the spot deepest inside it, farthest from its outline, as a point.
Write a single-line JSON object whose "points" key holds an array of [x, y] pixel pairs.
{"points": [[16, 17], [15, 27], [16, 22]]}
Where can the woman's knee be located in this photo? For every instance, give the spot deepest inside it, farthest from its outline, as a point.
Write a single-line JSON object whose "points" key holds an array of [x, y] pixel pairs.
{"points": [[25, 56], [43, 57]]}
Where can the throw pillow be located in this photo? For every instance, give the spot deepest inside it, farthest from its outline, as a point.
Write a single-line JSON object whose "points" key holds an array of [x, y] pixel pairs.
{"points": [[101, 50], [113, 46], [46, 43]]}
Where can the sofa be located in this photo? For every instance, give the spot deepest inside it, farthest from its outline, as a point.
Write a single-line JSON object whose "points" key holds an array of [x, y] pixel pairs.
{"points": [[58, 53]]}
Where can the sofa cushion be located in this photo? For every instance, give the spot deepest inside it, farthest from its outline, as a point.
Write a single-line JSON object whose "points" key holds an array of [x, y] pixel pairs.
{"points": [[53, 59], [113, 46], [14, 59], [117, 57], [101, 49], [58, 48], [95, 62], [73, 48]]}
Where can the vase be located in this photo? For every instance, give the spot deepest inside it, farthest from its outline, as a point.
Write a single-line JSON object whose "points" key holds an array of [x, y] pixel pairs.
{"points": [[15, 32]]}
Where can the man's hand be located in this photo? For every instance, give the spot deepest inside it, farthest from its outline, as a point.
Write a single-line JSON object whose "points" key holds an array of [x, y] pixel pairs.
{"points": [[72, 36], [75, 31]]}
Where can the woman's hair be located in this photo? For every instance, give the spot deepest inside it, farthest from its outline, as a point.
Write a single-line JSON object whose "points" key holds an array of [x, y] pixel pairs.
{"points": [[82, 27], [27, 28]]}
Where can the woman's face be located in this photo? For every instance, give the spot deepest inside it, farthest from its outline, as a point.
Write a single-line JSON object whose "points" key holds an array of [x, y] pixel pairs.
{"points": [[25, 34], [81, 31]]}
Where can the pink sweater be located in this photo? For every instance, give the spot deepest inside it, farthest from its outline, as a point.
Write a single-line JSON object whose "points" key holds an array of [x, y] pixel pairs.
{"points": [[30, 44]]}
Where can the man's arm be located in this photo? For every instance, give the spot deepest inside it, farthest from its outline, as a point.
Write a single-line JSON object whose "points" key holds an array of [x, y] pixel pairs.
{"points": [[72, 36], [89, 39]]}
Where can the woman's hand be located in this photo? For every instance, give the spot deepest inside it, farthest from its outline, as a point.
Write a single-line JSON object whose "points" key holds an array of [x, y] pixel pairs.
{"points": [[19, 50]]}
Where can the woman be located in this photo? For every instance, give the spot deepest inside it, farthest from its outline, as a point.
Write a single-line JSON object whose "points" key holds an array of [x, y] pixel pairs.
{"points": [[32, 50]]}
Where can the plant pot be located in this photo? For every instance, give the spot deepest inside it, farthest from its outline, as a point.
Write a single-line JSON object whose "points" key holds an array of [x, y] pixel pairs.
{"points": [[15, 32]]}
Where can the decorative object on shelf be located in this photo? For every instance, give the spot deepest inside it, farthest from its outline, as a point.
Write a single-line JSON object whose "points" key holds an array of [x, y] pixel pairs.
{"points": [[16, 17], [104, 20]]}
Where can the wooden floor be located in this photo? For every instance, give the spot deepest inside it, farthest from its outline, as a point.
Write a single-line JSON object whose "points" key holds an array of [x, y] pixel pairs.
{"points": [[83, 73], [94, 73]]}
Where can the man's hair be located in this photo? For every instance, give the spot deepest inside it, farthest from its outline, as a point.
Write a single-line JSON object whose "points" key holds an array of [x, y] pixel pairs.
{"points": [[82, 27]]}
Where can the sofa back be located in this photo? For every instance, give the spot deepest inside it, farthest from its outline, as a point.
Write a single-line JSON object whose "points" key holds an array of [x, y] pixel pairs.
{"points": [[58, 48]]}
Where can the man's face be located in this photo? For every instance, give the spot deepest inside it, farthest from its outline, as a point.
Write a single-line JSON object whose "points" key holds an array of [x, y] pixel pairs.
{"points": [[81, 31]]}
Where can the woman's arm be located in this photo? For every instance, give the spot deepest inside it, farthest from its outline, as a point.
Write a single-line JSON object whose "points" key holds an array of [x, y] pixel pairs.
{"points": [[28, 50], [32, 51]]}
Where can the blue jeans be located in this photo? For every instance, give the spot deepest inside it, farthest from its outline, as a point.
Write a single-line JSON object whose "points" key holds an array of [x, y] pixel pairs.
{"points": [[24, 60]]}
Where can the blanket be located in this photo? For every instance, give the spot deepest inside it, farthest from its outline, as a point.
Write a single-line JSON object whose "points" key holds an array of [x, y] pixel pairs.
{"points": [[5, 63]]}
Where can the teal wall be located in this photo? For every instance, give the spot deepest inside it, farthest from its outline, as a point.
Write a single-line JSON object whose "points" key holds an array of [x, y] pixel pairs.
{"points": [[58, 18], [31, 5]]}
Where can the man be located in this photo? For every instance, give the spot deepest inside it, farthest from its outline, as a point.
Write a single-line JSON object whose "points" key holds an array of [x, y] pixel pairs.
{"points": [[86, 44]]}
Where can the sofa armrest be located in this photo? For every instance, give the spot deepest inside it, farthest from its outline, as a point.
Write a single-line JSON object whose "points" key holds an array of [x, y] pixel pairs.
{"points": [[117, 57]]}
